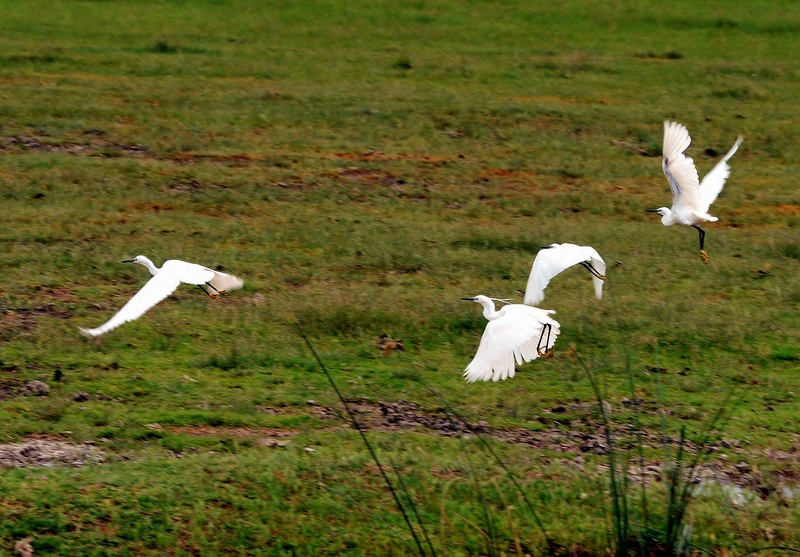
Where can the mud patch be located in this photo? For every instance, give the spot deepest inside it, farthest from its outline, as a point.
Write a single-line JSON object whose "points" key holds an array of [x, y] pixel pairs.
{"points": [[93, 145], [375, 177], [24, 320], [261, 436], [584, 435], [48, 453], [377, 155]]}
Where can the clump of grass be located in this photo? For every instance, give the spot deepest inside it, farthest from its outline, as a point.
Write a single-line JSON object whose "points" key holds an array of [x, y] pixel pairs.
{"points": [[52, 410], [162, 46], [668, 55], [403, 63], [671, 535]]}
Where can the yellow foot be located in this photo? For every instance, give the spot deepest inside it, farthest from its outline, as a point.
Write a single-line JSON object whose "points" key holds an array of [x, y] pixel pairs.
{"points": [[704, 256], [545, 353], [602, 277]]}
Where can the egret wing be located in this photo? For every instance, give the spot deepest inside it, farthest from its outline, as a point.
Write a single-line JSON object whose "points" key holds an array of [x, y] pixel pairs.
{"points": [[512, 338], [679, 169], [190, 273], [551, 261], [193, 273], [599, 266], [157, 288], [714, 181]]}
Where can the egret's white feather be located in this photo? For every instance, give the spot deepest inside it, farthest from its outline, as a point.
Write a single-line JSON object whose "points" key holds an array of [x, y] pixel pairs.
{"points": [[679, 169], [691, 199], [556, 258], [511, 337], [714, 181], [164, 282]]}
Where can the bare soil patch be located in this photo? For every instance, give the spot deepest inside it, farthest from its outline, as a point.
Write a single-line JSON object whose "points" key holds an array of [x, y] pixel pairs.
{"points": [[47, 453], [583, 435]]}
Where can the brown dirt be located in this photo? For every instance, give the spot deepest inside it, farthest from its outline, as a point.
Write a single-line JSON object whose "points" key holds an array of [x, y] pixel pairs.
{"points": [[377, 155], [568, 437], [92, 145], [580, 436], [24, 320]]}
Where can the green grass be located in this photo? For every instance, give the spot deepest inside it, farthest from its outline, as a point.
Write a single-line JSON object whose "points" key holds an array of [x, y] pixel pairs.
{"points": [[362, 166]]}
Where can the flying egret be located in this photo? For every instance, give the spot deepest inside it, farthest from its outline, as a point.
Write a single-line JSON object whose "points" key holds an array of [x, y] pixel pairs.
{"points": [[553, 259], [691, 198], [515, 332], [164, 282]]}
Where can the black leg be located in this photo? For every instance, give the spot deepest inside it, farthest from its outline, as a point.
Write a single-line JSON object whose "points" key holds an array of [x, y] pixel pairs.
{"points": [[543, 352], [703, 253], [209, 294], [589, 267]]}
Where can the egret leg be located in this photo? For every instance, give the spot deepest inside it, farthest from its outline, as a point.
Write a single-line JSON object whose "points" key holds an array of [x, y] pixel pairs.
{"points": [[703, 253], [214, 294], [589, 267], [544, 352]]}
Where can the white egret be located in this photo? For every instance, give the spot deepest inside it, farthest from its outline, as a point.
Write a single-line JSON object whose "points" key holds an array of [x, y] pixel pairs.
{"points": [[515, 332], [691, 198], [164, 282], [553, 259]]}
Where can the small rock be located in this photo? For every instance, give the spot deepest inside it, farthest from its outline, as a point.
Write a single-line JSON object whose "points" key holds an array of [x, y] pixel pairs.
{"points": [[82, 396], [35, 388], [24, 547]]}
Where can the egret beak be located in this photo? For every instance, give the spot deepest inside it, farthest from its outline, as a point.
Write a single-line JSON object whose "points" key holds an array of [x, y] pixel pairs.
{"points": [[470, 299], [129, 261], [652, 211]]}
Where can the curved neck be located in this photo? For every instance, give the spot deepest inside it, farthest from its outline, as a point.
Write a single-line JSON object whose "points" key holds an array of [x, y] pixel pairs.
{"points": [[149, 264], [488, 309]]}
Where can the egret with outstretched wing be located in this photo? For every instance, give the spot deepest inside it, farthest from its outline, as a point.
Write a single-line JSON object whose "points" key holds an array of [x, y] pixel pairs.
{"points": [[691, 198], [515, 333], [164, 282], [554, 259]]}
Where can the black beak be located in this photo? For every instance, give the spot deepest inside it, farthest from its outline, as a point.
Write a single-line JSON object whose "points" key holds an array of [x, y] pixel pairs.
{"points": [[129, 261], [652, 210], [470, 299], [545, 247]]}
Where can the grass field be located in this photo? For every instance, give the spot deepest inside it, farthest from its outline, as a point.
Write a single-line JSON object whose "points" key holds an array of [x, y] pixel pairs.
{"points": [[362, 166]]}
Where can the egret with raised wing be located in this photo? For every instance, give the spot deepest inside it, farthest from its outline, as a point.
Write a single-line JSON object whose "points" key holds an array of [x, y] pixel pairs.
{"points": [[555, 258], [691, 198], [164, 282], [515, 333]]}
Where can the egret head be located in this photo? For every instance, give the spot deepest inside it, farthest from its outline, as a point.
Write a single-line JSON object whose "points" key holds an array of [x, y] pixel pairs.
{"points": [[666, 215], [144, 261]]}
